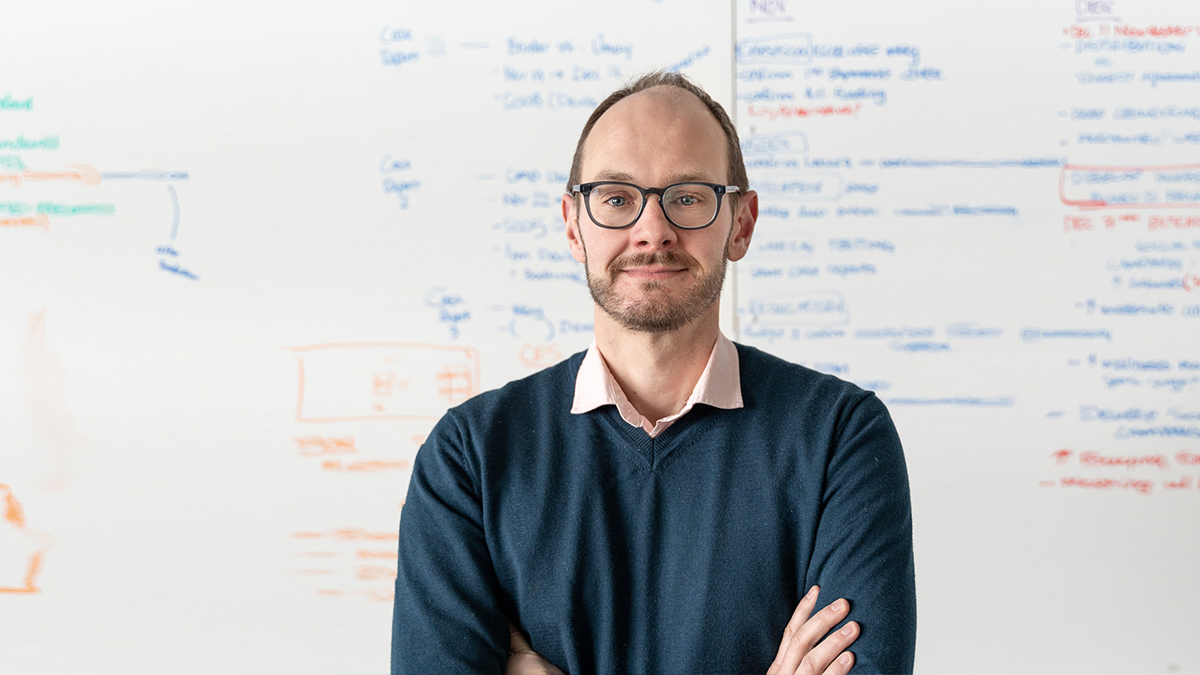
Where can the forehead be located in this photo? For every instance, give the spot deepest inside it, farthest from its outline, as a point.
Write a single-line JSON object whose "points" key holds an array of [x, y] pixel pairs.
{"points": [[656, 135]]}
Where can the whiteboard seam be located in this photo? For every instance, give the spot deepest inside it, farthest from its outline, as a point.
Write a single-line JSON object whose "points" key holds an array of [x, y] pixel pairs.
{"points": [[733, 286]]}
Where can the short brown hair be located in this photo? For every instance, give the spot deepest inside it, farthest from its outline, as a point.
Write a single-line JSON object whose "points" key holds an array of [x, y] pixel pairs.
{"points": [[659, 78]]}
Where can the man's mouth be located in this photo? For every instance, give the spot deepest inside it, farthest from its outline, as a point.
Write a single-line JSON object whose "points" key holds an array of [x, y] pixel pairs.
{"points": [[653, 272], [652, 267]]}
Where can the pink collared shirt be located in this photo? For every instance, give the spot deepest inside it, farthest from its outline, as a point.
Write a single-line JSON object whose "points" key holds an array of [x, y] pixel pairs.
{"points": [[720, 386]]}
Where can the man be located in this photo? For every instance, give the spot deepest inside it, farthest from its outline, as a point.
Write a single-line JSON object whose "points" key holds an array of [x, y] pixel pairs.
{"points": [[661, 502]]}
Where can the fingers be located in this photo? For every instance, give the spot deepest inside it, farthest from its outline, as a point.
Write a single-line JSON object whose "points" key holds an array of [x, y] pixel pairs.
{"points": [[805, 655], [841, 665], [829, 657], [523, 660], [803, 650], [803, 610], [530, 664], [518, 643]]}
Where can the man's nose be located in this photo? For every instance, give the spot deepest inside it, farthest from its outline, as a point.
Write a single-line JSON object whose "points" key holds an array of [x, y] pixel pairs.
{"points": [[652, 230]]}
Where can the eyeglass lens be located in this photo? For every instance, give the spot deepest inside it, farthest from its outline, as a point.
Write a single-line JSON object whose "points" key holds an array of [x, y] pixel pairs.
{"points": [[686, 205]]}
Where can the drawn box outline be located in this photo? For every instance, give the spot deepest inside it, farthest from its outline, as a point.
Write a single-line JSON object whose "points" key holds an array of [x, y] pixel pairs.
{"points": [[748, 142], [1094, 205], [758, 320], [740, 60], [841, 187], [805, 236], [471, 354]]}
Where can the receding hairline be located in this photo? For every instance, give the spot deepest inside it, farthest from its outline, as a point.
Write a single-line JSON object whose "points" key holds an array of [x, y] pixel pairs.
{"points": [[674, 95], [662, 82], [667, 92]]}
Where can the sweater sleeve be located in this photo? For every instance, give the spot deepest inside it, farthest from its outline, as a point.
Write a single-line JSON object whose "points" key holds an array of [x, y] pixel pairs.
{"points": [[863, 550], [447, 616]]}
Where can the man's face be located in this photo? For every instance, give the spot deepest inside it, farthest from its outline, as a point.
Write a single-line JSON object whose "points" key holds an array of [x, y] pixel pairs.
{"points": [[654, 277]]}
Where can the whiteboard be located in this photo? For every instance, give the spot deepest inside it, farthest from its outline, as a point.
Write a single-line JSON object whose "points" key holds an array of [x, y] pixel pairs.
{"points": [[251, 253], [989, 213]]}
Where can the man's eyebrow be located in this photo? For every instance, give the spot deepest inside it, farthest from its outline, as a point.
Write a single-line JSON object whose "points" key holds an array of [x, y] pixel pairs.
{"points": [[689, 177], [614, 175], [692, 178]]}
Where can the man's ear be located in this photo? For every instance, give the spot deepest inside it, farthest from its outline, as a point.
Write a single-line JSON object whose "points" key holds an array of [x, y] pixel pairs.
{"points": [[571, 220], [743, 225]]}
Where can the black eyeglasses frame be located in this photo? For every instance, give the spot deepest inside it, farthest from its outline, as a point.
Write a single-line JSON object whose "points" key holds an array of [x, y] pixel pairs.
{"points": [[586, 188]]}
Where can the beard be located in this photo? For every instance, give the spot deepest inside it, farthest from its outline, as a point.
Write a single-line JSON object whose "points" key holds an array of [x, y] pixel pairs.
{"points": [[650, 309]]}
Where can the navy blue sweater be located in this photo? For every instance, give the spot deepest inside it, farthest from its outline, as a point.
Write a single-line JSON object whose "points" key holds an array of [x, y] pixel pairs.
{"points": [[685, 553]]}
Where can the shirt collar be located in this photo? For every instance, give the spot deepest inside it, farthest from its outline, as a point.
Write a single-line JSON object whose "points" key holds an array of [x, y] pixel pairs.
{"points": [[719, 386]]}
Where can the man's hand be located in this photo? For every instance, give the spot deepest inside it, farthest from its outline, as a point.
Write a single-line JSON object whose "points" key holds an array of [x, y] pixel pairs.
{"points": [[799, 652], [525, 661]]}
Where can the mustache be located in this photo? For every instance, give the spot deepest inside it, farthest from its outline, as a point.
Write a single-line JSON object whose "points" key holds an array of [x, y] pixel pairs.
{"points": [[668, 258]]}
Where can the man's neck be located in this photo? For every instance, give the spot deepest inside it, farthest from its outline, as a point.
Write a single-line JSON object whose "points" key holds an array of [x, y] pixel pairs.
{"points": [[657, 372]]}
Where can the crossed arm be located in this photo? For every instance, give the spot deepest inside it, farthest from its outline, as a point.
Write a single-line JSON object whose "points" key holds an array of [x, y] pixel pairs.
{"points": [[799, 653], [449, 614]]}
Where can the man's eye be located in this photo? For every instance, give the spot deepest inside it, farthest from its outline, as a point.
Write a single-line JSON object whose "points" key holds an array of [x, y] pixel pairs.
{"points": [[689, 200], [616, 201]]}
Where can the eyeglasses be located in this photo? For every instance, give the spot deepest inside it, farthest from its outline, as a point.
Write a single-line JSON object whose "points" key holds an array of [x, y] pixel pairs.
{"points": [[688, 206]]}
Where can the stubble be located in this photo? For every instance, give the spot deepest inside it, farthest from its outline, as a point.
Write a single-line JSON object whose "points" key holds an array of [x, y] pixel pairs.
{"points": [[650, 308]]}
